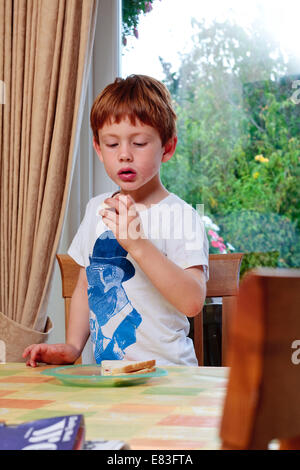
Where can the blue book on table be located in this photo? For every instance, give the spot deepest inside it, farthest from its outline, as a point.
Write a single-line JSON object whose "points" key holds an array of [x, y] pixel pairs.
{"points": [[59, 433]]}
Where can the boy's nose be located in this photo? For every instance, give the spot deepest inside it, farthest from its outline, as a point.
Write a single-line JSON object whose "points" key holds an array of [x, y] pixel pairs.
{"points": [[125, 155], [125, 151]]}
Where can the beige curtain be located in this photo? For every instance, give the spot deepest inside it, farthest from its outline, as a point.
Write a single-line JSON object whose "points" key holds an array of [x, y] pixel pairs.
{"points": [[45, 53]]}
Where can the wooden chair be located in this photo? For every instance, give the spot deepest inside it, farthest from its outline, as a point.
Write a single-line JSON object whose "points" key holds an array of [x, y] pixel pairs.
{"points": [[262, 401], [69, 271], [224, 272]]}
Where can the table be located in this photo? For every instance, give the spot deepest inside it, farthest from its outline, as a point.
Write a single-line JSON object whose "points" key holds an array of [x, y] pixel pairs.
{"points": [[179, 411]]}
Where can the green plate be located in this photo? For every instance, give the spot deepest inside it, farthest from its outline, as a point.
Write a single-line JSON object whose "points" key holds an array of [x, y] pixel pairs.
{"points": [[89, 375]]}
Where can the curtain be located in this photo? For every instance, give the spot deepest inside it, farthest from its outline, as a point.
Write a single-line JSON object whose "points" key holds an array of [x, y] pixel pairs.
{"points": [[45, 54]]}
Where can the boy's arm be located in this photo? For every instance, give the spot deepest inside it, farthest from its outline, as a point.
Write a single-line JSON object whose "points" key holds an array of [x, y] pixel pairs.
{"points": [[77, 333], [183, 288], [78, 328]]}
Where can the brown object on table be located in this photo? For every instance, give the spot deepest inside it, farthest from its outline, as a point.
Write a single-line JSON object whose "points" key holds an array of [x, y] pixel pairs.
{"points": [[262, 401], [224, 274]]}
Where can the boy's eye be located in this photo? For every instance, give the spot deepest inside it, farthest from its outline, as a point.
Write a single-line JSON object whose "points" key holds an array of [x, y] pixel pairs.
{"points": [[140, 144], [112, 145]]}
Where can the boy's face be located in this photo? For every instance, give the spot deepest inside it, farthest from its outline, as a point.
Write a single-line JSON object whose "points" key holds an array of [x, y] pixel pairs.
{"points": [[132, 154]]}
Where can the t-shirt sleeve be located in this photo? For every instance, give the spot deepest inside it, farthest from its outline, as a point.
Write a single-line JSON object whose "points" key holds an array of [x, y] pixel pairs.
{"points": [[191, 249], [76, 249]]}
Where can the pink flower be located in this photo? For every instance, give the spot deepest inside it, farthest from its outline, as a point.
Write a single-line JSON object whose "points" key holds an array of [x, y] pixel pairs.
{"points": [[136, 33], [219, 245], [213, 234], [148, 7]]}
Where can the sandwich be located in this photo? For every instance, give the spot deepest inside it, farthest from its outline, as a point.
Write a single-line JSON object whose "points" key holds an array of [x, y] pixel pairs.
{"points": [[103, 205], [122, 367]]}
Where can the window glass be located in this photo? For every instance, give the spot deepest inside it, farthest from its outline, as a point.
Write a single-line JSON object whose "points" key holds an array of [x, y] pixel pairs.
{"points": [[233, 69]]}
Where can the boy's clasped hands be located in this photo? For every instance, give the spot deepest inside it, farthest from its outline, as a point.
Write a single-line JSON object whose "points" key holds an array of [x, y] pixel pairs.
{"points": [[123, 219]]}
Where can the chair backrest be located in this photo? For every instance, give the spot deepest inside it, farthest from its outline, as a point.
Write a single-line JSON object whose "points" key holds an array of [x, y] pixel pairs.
{"points": [[262, 401], [224, 274], [223, 282], [69, 271]]}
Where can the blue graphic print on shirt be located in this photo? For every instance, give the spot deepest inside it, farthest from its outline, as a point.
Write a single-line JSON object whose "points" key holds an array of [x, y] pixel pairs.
{"points": [[113, 320]]}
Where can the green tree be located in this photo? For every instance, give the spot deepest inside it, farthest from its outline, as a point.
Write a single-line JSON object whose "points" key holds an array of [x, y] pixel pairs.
{"points": [[239, 142]]}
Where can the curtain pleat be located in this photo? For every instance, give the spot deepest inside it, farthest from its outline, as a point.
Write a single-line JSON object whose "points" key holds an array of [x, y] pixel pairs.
{"points": [[45, 52], [18, 52]]}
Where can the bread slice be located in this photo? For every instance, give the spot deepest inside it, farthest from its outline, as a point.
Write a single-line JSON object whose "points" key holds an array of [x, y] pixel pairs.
{"points": [[143, 371], [103, 205], [127, 367]]}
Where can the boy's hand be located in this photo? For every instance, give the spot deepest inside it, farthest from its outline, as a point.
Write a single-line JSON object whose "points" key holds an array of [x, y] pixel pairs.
{"points": [[124, 221], [50, 354]]}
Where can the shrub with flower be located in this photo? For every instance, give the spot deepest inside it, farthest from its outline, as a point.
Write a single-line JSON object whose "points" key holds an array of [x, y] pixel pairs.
{"points": [[217, 244], [131, 11], [261, 159]]}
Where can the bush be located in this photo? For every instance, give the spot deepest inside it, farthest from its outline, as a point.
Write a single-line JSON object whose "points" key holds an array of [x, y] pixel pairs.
{"points": [[255, 232], [254, 260]]}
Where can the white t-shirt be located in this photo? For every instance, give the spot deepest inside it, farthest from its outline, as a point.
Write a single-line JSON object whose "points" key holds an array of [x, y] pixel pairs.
{"points": [[129, 317]]}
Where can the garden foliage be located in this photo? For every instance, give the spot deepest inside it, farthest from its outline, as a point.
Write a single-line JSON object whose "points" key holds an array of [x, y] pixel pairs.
{"points": [[131, 11], [239, 139]]}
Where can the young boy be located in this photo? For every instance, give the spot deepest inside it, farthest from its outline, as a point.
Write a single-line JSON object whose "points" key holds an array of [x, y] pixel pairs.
{"points": [[143, 251]]}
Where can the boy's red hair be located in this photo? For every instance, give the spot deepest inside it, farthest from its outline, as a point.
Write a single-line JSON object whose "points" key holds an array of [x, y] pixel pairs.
{"points": [[136, 97]]}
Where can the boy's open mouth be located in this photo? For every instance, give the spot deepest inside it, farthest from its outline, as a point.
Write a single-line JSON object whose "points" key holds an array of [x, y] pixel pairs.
{"points": [[127, 174], [126, 170]]}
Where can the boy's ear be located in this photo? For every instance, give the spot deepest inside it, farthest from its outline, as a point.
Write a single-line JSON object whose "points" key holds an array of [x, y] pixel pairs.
{"points": [[169, 149], [97, 149]]}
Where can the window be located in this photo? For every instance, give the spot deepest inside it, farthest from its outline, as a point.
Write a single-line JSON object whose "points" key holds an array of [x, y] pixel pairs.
{"points": [[233, 69]]}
